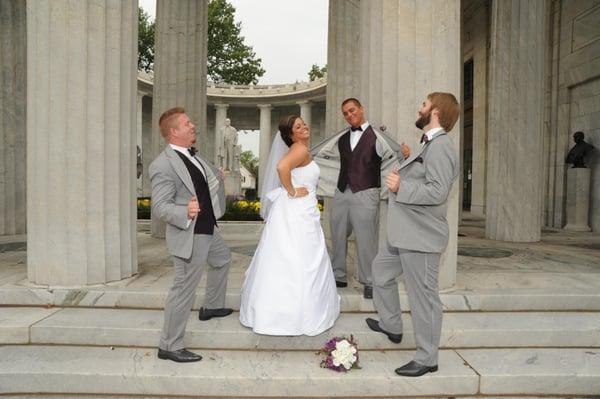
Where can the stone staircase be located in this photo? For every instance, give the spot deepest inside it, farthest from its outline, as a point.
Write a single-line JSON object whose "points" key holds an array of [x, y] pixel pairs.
{"points": [[527, 325], [551, 350]]}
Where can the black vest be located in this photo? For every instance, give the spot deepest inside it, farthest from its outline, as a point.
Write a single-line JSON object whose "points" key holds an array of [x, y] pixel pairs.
{"points": [[205, 220], [360, 169]]}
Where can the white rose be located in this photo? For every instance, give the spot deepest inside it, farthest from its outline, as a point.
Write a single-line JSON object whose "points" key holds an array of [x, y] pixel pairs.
{"points": [[344, 354]]}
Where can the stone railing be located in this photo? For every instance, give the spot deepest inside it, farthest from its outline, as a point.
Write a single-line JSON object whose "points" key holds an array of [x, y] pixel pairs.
{"points": [[222, 89]]}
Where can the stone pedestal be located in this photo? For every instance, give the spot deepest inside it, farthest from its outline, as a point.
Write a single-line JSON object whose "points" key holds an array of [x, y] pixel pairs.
{"points": [[233, 184], [516, 100], [578, 199], [180, 72], [13, 97], [81, 136]]}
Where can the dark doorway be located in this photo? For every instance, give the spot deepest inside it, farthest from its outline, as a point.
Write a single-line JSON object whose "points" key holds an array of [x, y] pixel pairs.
{"points": [[468, 134]]}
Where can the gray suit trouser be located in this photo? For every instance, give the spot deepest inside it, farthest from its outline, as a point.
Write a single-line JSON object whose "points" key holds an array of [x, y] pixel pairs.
{"points": [[420, 271], [207, 249], [358, 212]]}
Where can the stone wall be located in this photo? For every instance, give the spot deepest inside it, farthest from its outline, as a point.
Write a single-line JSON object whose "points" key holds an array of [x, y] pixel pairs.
{"points": [[475, 41], [574, 100]]}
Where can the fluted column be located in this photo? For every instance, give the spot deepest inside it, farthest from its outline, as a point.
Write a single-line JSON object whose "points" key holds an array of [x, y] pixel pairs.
{"points": [[343, 63], [305, 112], [180, 72], [13, 97], [139, 139], [81, 135], [265, 141], [514, 167], [409, 49], [220, 116]]}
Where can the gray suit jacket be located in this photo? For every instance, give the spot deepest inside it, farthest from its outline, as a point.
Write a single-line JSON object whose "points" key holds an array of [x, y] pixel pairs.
{"points": [[417, 212], [327, 155], [172, 189]]}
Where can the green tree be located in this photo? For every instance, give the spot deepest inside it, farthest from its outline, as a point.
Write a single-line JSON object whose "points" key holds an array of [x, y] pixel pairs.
{"points": [[230, 60], [316, 72], [145, 41], [250, 162]]}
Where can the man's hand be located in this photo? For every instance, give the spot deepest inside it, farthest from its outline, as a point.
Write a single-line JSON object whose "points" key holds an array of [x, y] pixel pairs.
{"points": [[193, 208], [392, 181], [405, 150], [222, 174]]}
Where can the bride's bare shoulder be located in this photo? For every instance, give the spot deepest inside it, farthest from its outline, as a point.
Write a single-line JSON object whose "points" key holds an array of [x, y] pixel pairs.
{"points": [[299, 148]]}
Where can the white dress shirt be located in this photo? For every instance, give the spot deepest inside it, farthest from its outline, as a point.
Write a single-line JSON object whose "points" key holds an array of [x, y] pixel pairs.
{"points": [[357, 134], [431, 133], [186, 152]]}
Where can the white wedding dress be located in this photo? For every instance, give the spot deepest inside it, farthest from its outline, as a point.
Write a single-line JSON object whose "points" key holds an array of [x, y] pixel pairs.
{"points": [[290, 288]]}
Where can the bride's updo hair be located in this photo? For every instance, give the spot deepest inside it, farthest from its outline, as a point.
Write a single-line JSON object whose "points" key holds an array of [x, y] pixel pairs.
{"points": [[285, 127]]}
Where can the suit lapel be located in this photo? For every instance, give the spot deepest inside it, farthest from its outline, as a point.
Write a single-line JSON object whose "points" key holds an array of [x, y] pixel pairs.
{"points": [[418, 153], [413, 156], [180, 168]]}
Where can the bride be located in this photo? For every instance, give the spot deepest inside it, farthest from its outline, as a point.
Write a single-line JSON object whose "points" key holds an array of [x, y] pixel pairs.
{"points": [[289, 287]]}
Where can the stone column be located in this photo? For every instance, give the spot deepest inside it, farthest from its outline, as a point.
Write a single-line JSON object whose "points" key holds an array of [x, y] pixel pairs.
{"points": [[81, 135], [343, 72], [409, 49], [139, 114], [180, 72], [514, 166], [343, 65], [305, 112], [13, 97], [220, 116], [265, 141], [147, 154]]}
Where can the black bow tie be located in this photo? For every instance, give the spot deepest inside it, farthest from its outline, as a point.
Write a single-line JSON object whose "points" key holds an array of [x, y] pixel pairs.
{"points": [[359, 128], [424, 138], [192, 151]]}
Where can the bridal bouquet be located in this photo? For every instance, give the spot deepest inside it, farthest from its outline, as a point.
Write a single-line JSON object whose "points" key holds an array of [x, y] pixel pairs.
{"points": [[341, 354]]}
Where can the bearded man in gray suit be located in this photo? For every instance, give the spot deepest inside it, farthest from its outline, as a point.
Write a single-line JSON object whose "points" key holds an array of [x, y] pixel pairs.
{"points": [[188, 195], [417, 234]]}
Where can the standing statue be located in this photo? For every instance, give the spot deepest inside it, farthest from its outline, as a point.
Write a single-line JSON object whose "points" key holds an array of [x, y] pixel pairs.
{"points": [[580, 150], [227, 152]]}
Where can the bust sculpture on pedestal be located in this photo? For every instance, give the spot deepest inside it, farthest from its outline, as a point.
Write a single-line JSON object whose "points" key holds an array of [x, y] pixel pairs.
{"points": [[580, 150], [578, 185]]}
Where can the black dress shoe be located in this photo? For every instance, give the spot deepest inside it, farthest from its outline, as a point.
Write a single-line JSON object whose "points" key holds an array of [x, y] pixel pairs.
{"points": [[180, 356], [340, 284], [368, 292], [207, 314], [414, 369], [374, 325]]}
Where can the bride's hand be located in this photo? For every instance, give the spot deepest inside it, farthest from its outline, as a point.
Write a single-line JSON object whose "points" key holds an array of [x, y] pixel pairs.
{"points": [[299, 192]]}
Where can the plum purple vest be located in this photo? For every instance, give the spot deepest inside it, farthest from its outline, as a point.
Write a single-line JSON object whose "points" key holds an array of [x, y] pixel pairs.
{"points": [[360, 169]]}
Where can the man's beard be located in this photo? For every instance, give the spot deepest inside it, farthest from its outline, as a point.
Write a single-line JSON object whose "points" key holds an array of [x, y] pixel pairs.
{"points": [[423, 121]]}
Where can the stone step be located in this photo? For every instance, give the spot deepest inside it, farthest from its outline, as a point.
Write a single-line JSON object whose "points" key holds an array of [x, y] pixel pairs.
{"points": [[151, 297], [141, 328], [57, 370]]}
